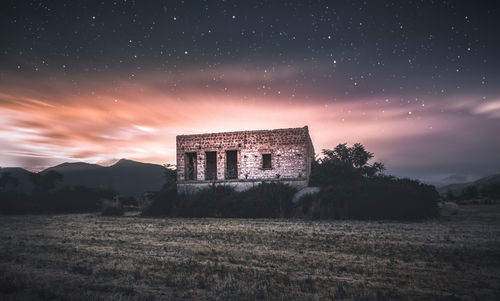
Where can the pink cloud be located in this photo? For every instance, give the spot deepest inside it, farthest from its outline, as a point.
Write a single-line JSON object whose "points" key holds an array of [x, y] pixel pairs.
{"points": [[98, 121]]}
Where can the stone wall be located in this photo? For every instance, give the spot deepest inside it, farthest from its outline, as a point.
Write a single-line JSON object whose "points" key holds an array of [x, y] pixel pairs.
{"points": [[291, 153], [240, 185]]}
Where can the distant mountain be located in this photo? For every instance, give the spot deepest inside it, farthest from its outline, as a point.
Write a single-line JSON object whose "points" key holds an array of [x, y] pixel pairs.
{"points": [[72, 167], [451, 179], [132, 178], [129, 163], [126, 177], [457, 188]]}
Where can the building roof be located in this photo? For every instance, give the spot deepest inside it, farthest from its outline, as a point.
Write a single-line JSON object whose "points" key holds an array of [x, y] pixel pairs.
{"points": [[300, 129]]}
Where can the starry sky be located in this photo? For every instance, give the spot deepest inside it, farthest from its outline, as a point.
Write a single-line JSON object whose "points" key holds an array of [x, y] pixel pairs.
{"points": [[416, 82]]}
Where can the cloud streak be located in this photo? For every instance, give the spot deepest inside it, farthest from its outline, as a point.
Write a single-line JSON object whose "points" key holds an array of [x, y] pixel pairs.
{"points": [[47, 121]]}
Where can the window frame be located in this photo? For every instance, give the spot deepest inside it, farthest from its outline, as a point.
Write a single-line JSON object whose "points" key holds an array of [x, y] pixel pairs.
{"points": [[263, 161]]}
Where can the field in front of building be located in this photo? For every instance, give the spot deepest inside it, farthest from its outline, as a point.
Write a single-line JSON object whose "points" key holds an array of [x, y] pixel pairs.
{"points": [[87, 256]]}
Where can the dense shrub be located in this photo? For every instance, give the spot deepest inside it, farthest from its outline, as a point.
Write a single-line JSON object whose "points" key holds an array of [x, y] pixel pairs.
{"points": [[13, 202], [306, 206], [351, 187], [214, 201], [163, 203], [78, 199], [380, 197], [263, 200], [44, 198], [377, 197], [65, 200]]}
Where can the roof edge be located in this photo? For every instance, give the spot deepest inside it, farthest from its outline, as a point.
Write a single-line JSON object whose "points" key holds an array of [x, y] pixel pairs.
{"points": [[305, 128]]}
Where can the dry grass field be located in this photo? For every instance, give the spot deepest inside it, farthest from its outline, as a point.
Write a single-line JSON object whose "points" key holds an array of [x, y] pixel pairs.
{"points": [[131, 258]]}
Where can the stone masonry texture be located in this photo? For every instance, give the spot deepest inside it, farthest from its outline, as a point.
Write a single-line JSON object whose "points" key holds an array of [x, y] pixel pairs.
{"points": [[290, 152]]}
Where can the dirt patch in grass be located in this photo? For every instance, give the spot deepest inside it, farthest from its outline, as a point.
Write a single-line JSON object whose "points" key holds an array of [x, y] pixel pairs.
{"points": [[132, 258]]}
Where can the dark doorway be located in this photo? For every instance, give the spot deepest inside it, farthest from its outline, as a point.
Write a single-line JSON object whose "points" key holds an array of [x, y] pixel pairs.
{"points": [[266, 161], [231, 164], [211, 166], [190, 162]]}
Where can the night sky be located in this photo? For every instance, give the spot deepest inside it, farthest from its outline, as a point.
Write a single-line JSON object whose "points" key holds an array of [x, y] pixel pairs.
{"points": [[416, 82]]}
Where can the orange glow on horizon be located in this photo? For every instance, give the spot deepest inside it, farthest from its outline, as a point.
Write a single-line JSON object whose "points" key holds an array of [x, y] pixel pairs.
{"points": [[99, 124]]}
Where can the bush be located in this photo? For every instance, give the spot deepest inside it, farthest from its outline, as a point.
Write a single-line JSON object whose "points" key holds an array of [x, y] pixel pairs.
{"points": [[12, 202], [263, 200], [162, 203], [65, 200], [77, 199], [351, 187], [380, 197], [214, 201], [306, 206]]}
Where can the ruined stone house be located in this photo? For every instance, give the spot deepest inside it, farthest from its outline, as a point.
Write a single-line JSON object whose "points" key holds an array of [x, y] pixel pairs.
{"points": [[243, 159]]}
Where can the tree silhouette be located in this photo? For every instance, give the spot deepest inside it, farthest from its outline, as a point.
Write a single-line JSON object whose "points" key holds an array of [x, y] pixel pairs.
{"points": [[344, 164]]}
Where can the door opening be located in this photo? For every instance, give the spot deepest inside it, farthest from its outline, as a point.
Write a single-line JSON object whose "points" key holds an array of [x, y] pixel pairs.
{"points": [[190, 164], [211, 166], [231, 164]]}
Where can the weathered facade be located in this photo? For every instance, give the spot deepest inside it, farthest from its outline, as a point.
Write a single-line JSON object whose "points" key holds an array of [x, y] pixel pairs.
{"points": [[243, 159]]}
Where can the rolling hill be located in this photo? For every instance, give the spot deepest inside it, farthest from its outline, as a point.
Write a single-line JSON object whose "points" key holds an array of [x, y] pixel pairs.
{"points": [[127, 177], [457, 188]]}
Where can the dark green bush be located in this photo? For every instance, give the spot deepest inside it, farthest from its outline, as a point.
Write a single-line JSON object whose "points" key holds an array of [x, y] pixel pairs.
{"points": [[263, 200], [214, 201], [12, 202], [267, 200], [64, 200], [351, 187], [305, 206], [163, 203], [379, 197], [77, 199]]}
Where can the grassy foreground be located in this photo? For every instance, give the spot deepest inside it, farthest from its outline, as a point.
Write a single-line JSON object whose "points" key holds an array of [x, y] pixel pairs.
{"points": [[130, 258]]}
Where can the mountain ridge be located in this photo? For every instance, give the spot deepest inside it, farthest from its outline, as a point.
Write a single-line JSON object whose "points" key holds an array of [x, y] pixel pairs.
{"points": [[456, 188], [126, 177], [67, 166]]}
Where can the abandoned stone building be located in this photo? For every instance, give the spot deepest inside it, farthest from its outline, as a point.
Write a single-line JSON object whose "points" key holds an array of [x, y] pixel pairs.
{"points": [[245, 158]]}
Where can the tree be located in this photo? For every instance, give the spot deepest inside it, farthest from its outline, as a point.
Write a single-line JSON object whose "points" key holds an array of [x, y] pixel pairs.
{"points": [[344, 164]]}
